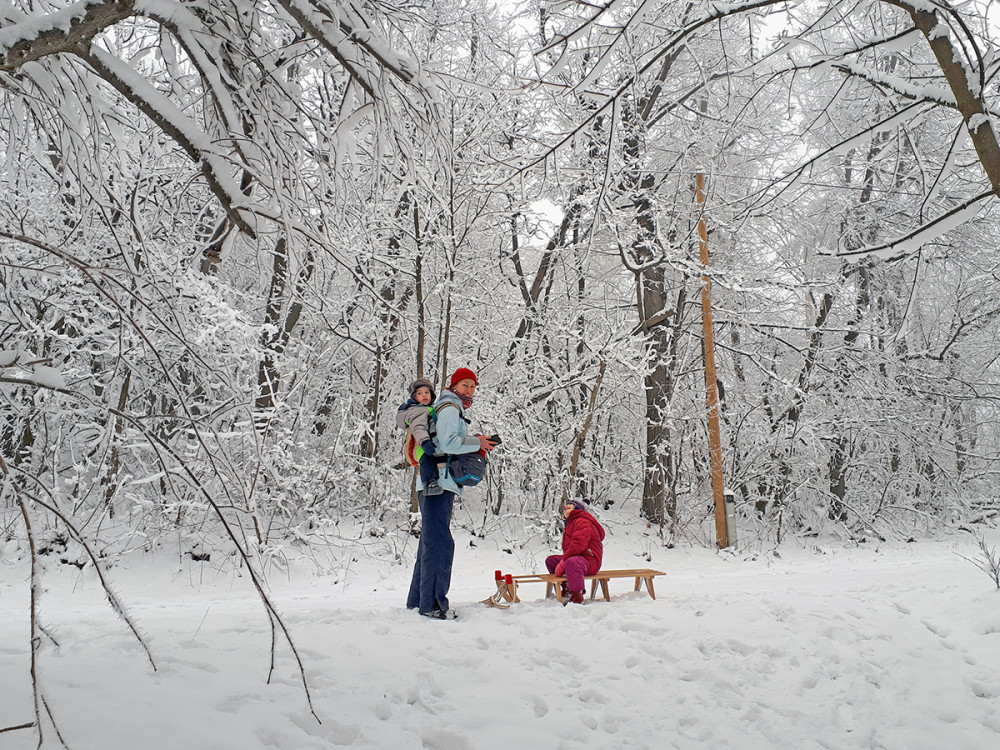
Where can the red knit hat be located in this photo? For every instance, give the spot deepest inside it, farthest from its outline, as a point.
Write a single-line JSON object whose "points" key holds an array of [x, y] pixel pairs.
{"points": [[463, 373]]}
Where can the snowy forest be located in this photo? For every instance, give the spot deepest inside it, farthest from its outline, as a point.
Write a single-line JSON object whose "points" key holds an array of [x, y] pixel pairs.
{"points": [[231, 233]]}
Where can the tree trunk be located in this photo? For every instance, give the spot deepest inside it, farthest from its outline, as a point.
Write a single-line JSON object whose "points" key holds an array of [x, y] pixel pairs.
{"points": [[277, 329]]}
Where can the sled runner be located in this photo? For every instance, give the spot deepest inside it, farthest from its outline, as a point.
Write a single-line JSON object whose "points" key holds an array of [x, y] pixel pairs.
{"points": [[506, 592]]}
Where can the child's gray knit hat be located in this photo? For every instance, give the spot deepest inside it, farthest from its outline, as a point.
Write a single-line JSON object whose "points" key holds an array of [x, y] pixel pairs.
{"points": [[421, 383]]}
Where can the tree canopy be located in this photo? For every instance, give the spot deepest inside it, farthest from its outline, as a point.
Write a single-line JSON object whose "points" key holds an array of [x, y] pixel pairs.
{"points": [[231, 232]]}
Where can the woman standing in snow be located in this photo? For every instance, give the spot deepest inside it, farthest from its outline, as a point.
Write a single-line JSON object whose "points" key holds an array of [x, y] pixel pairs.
{"points": [[583, 549], [436, 549]]}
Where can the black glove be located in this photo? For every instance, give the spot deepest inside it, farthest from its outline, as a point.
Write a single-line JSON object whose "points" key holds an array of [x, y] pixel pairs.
{"points": [[428, 446]]}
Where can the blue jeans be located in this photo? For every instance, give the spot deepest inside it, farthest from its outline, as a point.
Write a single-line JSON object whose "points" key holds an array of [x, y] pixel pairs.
{"points": [[435, 554], [429, 469]]}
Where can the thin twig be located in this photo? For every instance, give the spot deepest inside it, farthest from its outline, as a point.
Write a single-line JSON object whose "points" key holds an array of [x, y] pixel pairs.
{"points": [[29, 725], [52, 719], [116, 604], [33, 616]]}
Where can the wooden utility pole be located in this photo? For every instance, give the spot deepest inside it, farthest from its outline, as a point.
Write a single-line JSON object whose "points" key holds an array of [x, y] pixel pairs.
{"points": [[711, 387]]}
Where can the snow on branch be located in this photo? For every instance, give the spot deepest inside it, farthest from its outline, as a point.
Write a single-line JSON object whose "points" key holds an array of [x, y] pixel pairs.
{"points": [[928, 92], [579, 31], [203, 50], [214, 166], [912, 242], [348, 36], [966, 84], [69, 29], [219, 40], [716, 12], [595, 73], [909, 113]]}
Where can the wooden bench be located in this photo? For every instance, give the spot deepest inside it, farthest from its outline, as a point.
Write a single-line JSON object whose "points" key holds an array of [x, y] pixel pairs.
{"points": [[507, 591]]}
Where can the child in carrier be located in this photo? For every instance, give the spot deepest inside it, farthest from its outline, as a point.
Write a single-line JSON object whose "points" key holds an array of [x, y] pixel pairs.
{"points": [[419, 448]]}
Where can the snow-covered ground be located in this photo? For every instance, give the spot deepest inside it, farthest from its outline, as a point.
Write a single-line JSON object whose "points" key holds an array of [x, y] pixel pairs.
{"points": [[823, 646]]}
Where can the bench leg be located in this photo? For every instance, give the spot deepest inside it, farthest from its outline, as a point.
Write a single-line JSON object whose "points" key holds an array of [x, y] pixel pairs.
{"points": [[593, 589], [554, 587], [604, 588], [649, 585]]}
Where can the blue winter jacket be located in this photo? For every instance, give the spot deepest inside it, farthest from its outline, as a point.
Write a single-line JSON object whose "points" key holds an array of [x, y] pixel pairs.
{"points": [[452, 436]]}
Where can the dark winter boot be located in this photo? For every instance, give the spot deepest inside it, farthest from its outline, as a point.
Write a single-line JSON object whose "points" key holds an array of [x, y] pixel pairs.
{"points": [[576, 597], [564, 592]]}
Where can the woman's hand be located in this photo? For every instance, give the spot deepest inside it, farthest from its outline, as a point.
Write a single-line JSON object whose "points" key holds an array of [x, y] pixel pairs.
{"points": [[485, 444]]}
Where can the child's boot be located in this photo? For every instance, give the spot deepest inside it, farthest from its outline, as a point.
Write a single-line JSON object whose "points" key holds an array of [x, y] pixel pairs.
{"points": [[576, 597]]}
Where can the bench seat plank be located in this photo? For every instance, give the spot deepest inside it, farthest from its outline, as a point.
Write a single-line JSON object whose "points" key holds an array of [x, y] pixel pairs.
{"points": [[601, 577]]}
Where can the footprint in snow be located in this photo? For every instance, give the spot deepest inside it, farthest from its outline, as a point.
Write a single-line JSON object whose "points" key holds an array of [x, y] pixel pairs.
{"points": [[441, 739], [424, 693], [337, 733], [738, 647], [591, 695], [902, 609], [985, 689], [566, 659], [936, 630], [539, 705]]}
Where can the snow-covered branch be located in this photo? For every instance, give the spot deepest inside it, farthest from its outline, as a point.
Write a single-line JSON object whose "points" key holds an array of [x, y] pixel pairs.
{"points": [[350, 38], [929, 92], [965, 83], [926, 232], [70, 29], [214, 165], [246, 111]]}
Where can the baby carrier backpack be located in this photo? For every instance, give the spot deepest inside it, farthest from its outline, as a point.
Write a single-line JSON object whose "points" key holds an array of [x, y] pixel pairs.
{"points": [[465, 469], [412, 451]]}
